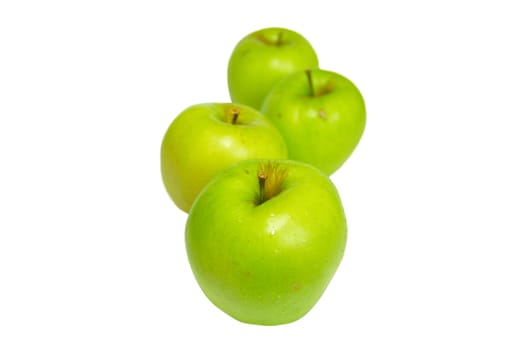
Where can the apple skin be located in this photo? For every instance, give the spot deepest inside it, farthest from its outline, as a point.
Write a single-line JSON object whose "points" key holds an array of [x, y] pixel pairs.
{"points": [[201, 141], [262, 58], [321, 125], [268, 263]]}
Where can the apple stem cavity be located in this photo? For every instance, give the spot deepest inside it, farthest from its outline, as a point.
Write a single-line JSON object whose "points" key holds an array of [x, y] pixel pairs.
{"points": [[270, 180], [322, 89], [309, 78]]}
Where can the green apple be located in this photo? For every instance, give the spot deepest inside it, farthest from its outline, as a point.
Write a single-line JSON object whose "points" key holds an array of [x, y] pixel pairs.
{"points": [[320, 114], [264, 57], [264, 238], [205, 138]]}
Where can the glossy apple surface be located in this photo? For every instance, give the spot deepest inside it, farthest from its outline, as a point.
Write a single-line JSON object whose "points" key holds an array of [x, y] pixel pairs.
{"points": [[264, 239], [321, 115], [205, 138], [264, 57]]}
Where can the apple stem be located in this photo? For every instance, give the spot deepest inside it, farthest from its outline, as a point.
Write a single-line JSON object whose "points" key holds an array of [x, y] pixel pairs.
{"points": [[309, 78], [278, 40], [262, 177], [235, 113]]}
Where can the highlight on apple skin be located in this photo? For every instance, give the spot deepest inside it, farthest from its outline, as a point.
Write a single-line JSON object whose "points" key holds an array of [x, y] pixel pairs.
{"points": [[262, 58], [205, 138], [264, 238], [320, 114]]}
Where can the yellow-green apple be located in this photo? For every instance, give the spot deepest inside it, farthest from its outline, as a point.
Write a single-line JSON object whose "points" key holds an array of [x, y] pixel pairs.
{"points": [[264, 238], [321, 115], [264, 57], [205, 138]]}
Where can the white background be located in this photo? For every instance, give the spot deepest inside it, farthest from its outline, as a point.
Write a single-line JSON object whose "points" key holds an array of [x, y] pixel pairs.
{"points": [[92, 251]]}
